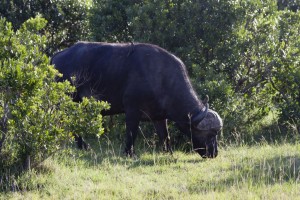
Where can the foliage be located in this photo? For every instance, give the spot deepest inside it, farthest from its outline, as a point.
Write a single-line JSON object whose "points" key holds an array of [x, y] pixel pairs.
{"points": [[109, 21], [186, 28], [67, 19], [286, 70], [85, 118], [293, 5], [37, 115]]}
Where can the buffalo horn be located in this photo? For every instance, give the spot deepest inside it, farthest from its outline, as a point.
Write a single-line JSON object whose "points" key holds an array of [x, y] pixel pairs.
{"points": [[200, 116]]}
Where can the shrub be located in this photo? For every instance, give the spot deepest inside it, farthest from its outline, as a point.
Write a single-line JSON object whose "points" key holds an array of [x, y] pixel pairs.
{"points": [[37, 117]]}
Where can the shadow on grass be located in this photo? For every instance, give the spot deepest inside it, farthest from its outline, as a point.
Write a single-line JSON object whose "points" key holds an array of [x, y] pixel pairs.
{"points": [[102, 152]]}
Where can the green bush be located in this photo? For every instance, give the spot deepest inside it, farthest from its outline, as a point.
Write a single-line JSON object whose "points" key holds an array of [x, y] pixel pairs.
{"points": [[37, 117]]}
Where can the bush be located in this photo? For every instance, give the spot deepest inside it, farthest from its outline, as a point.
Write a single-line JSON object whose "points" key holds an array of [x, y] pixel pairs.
{"points": [[37, 117]]}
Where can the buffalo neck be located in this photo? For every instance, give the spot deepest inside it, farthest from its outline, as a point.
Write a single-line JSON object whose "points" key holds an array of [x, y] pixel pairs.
{"points": [[183, 103]]}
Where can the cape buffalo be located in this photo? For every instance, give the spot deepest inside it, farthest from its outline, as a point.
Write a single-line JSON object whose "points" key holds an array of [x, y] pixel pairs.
{"points": [[145, 82]]}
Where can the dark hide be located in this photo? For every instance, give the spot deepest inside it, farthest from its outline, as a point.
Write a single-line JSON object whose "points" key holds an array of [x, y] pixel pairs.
{"points": [[143, 81]]}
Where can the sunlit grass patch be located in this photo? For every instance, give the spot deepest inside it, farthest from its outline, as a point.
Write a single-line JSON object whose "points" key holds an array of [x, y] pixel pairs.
{"points": [[245, 172]]}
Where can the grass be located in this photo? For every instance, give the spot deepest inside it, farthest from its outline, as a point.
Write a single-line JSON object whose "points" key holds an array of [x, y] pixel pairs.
{"points": [[257, 172]]}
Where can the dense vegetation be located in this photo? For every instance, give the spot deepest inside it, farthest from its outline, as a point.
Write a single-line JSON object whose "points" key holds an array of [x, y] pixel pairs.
{"points": [[38, 116], [244, 54]]}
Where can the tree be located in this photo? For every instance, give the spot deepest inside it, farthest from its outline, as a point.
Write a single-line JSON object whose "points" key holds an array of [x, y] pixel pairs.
{"points": [[285, 77], [67, 19]]}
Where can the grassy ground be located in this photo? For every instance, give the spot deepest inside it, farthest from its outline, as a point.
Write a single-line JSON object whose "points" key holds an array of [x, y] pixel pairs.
{"points": [[258, 172]]}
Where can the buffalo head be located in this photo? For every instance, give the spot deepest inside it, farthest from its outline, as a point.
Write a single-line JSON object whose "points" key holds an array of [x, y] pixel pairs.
{"points": [[205, 133]]}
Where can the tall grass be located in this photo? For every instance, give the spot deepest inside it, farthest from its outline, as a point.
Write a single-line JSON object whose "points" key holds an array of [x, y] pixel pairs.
{"points": [[261, 171]]}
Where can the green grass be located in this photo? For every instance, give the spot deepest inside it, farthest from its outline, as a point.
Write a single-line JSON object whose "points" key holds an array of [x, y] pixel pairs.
{"points": [[257, 172]]}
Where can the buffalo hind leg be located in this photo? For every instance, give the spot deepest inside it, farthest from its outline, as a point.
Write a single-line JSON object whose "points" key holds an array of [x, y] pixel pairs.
{"points": [[80, 143], [132, 125], [163, 134]]}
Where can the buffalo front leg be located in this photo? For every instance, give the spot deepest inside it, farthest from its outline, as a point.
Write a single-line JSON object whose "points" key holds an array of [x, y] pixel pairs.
{"points": [[163, 134], [81, 144], [132, 125]]}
